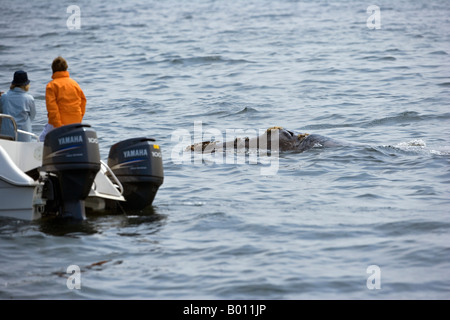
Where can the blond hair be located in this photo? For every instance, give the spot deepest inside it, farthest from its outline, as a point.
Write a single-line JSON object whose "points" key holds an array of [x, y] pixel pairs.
{"points": [[25, 87]]}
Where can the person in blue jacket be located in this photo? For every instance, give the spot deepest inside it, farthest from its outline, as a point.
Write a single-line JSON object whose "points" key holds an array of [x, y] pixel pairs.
{"points": [[19, 104]]}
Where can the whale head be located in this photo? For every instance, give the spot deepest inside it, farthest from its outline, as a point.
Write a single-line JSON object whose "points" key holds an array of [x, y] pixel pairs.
{"points": [[287, 139]]}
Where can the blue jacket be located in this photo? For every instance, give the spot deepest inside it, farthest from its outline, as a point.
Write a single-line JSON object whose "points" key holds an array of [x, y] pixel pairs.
{"points": [[20, 105]]}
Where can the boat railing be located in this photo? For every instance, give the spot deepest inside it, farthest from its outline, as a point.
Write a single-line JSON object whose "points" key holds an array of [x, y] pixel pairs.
{"points": [[8, 127], [9, 130], [35, 136], [112, 175]]}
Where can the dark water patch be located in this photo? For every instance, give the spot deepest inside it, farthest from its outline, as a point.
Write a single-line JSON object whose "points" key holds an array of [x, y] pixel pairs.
{"points": [[394, 50], [388, 58], [18, 36], [430, 66], [49, 35], [271, 16], [245, 111], [324, 71], [10, 226], [4, 48], [95, 266], [66, 228], [370, 196], [133, 25], [13, 66], [439, 52], [423, 257], [393, 68], [412, 227], [423, 190], [167, 77], [143, 223], [324, 126], [206, 60], [378, 58], [403, 117]]}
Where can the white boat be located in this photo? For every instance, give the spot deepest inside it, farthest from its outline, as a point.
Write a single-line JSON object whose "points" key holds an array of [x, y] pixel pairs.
{"points": [[64, 176]]}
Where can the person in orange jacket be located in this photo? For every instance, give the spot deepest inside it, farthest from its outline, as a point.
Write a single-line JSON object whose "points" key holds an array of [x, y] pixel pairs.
{"points": [[66, 102]]}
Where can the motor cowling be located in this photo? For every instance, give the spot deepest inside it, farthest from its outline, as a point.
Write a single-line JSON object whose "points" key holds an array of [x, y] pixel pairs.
{"points": [[137, 164], [71, 153]]}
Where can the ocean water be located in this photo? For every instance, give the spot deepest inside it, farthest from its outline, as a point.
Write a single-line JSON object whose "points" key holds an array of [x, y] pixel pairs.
{"points": [[365, 221]]}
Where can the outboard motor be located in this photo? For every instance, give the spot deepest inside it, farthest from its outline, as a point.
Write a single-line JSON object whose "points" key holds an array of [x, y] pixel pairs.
{"points": [[71, 154], [137, 164]]}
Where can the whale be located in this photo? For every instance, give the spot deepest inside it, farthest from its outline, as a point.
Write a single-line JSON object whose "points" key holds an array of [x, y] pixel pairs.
{"points": [[273, 139]]}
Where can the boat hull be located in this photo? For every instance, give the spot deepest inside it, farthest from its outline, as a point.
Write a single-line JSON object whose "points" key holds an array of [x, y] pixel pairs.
{"points": [[65, 175], [17, 201]]}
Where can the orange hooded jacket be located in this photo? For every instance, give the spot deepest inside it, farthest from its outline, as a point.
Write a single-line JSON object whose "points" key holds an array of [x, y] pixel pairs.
{"points": [[66, 103]]}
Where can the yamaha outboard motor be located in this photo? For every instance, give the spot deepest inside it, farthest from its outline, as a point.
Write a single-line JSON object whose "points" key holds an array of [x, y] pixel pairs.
{"points": [[137, 163], [71, 154]]}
